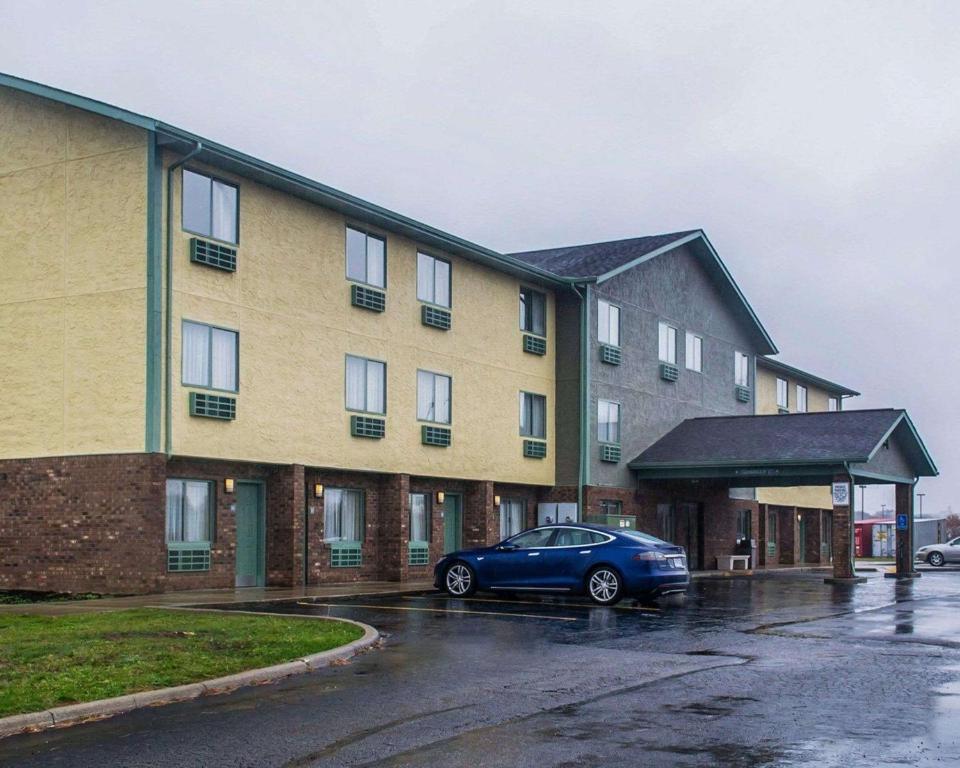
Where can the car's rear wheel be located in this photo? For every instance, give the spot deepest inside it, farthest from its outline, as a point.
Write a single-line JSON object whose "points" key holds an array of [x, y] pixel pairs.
{"points": [[604, 586], [935, 558], [460, 580]]}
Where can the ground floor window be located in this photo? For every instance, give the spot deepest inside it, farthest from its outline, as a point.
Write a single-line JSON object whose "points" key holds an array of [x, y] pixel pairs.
{"points": [[189, 511], [771, 533], [419, 517], [343, 515], [511, 517], [744, 526], [611, 507]]}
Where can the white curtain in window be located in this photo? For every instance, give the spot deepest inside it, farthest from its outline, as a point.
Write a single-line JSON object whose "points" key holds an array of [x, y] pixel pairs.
{"points": [[356, 255], [196, 511], [418, 517], [196, 203], [351, 505], [539, 313], [376, 261], [174, 510], [742, 369], [425, 396], [511, 518], [539, 425], [441, 283], [375, 386], [614, 325], [442, 398], [668, 343], [356, 383], [425, 265], [196, 354], [224, 352], [608, 422], [331, 514], [603, 322], [224, 212]]}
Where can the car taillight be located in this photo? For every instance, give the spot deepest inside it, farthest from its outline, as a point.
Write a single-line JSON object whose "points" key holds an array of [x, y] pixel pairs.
{"points": [[654, 556]]}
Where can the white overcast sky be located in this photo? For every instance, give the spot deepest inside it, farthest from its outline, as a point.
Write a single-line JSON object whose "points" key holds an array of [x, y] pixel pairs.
{"points": [[817, 144]]}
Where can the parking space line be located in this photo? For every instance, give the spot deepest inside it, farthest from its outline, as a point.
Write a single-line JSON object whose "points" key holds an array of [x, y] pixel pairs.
{"points": [[439, 610], [530, 602]]}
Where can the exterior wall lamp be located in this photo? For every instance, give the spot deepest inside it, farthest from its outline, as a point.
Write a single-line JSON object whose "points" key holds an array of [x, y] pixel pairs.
{"points": [[496, 501], [228, 485], [440, 497], [318, 490]]}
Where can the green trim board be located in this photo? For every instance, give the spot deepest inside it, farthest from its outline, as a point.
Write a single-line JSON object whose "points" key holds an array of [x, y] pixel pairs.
{"points": [[776, 365], [154, 329]]}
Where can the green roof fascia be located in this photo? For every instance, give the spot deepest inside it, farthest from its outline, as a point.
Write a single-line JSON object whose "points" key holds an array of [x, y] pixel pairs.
{"points": [[904, 418], [279, 177], [777, 365], [640, 465], [700, 237]]}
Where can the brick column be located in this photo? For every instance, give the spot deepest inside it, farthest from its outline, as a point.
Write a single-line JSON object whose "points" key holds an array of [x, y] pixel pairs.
{"points": [[811, 544], [842, 536], [481, 524], [299, 506], [787, 534], [284, 523], [904, 506], [393, 527]]}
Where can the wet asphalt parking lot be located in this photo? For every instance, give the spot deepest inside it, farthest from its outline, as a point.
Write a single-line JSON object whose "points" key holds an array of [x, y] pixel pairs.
{"points": [[747, 672]]}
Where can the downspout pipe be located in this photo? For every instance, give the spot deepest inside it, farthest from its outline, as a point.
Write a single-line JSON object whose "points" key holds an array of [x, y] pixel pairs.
{"points": [[168, 334], [851, 550], [582, 477]]}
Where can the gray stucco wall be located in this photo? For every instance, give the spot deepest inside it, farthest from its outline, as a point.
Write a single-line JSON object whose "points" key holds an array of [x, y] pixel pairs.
{"points": [[675, 288]]}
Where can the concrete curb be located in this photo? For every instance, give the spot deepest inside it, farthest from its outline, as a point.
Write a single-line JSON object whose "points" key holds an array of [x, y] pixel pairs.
{"points": [[95, 710]]}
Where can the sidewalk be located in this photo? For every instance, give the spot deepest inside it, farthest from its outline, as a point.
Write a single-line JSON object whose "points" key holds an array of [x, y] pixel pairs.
{"points": [[208, 596]]}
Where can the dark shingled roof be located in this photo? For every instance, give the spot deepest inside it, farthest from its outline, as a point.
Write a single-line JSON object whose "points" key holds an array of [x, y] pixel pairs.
{"points": [[597, 259], [814, 438]]}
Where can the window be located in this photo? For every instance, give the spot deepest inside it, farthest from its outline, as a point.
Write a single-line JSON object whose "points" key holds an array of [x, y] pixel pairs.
{"points": [[433, 280], [666, 522], [533, 415], [209, 357], [801, 399], [833, 403], [366, 385], [744, 526], [419, 517], [210, 207], [741, 369], [342, 515], [533, 312], [511, 517], [608, 323], [694, 356], [433, 397], [611, 507], [189, 511], [668, 344], [366, 258], [533, 539], [608, 421], [577, 537], [783, 394]]}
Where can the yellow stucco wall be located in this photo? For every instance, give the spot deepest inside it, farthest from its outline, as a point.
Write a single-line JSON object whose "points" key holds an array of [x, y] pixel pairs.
{"points": [[810, 496], [72, 280], [290, 301]]}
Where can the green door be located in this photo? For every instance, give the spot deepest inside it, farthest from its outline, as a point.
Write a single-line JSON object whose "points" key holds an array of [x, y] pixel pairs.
{"points": [[452, 523], [250, 525]]}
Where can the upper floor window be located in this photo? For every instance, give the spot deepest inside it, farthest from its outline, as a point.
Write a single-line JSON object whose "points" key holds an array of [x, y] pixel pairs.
{"points": [[833, 403], [533, 415], [366, 385], [433, 280], [801, 399], [433, 397], [783, 396], [419, 517], [210, 207], [189, 511], [343, 515], [694, 356], [668, 344], [741, 369], [608, 421], [366, 258], [608, 323], [209, 356], [533, 312]]}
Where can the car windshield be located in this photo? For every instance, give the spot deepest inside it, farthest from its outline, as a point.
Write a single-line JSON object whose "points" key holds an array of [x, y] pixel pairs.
{"points": [[644, 538]]}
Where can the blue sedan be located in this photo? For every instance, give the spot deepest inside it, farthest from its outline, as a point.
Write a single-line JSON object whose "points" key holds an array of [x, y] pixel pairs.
{"points": [[606, 564]]}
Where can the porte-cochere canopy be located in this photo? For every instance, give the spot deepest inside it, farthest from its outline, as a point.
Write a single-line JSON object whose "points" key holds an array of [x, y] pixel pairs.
{"points": [[873, 446]]}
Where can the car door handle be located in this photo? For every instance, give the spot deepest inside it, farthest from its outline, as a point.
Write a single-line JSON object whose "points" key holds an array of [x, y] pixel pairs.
{"points": [[585, 551], [533, 554]]}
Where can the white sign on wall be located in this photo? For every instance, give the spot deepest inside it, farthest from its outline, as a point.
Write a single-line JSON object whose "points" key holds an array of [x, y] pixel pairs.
{"points": [[841, 495]]}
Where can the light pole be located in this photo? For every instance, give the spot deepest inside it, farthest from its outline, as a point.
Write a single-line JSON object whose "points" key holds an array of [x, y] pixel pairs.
{"points": [[920, 496], [863, 508]]}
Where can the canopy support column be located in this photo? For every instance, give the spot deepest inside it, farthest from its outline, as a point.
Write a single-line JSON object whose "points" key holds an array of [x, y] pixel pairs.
{"points": [[842, 533], [905, 569]]}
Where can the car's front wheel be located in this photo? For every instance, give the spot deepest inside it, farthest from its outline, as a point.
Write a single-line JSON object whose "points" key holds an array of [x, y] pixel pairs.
{"points": [[935, 558], [604, 586], [460, 580]]}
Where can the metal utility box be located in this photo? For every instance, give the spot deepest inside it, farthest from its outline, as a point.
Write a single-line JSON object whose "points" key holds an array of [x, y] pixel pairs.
{"points": [[614, 521]]}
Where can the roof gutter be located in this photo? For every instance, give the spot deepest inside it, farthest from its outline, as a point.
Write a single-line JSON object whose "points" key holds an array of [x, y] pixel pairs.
{"points": [[168, 334]]}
